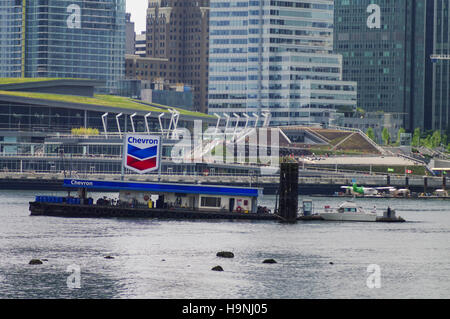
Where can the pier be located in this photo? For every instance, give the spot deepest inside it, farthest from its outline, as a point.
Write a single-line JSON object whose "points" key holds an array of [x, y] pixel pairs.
{"points": [[310, 182]]}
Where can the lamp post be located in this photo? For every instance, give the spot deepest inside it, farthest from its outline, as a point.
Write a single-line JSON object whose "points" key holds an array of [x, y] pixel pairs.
{"points": [[160, 123], [237, 123], [246, 121], [146, 122], [118, 124], [104, 119], [132, 122], [257, 119], [217, 125]]}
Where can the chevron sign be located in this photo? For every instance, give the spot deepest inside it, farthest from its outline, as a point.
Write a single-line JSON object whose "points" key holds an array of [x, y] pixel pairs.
{"points": [[141, 153]]}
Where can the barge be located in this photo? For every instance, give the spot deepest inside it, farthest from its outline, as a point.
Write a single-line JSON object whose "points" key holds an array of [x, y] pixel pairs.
{"points": [[154, 200]]}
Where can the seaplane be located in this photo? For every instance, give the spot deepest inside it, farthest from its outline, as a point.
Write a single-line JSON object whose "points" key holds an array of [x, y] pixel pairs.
{"points": [[368, 191]]}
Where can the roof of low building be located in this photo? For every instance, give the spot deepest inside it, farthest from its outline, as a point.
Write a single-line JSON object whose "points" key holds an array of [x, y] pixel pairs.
{"points": [[160, 188], [10, 89]]}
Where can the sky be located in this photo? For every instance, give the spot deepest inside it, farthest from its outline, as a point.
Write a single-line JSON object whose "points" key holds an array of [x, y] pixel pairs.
{"points": [[138, 10]]}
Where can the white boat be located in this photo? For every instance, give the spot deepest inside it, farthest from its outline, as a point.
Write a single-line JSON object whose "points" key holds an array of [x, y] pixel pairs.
{"points": [[349, 211]]}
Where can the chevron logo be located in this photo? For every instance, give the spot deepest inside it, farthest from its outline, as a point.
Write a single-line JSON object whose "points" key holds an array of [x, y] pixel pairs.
{"points": [[141, 153]]}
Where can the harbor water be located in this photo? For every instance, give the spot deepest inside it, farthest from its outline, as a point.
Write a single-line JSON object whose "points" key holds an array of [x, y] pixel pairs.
{"points": [[173, 259]]}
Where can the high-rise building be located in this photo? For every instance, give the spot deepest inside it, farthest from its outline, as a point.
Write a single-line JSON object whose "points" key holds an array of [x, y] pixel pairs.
{"points": [[177, 30], [130, 35], [64, 39], [386, 47], [141, 45], [12, 38], [276, 56], [440, 112]]}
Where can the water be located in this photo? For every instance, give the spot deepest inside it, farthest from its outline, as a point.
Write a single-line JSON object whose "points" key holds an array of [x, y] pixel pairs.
{"points": [[173, 259]]}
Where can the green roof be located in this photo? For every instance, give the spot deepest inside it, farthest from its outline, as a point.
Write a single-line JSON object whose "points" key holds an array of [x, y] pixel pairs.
{"points": [[103, 100], [5, 81]]}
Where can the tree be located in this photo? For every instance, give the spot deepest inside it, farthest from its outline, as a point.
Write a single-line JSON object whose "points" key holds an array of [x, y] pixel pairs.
{"points": [[416, 138], [400, 132], [436, 139], [386, 136], [427, 142], [370, 133]]}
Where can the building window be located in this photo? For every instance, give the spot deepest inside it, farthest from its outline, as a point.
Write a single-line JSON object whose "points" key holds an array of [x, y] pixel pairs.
{"points": [[210, 201]]}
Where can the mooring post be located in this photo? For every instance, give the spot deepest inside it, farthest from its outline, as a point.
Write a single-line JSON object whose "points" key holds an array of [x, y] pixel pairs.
{"points": [[425, 184], [288, 192]]}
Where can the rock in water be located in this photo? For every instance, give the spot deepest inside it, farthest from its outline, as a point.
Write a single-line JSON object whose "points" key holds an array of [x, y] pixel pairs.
{"points": [[35, 262], [217, 268], [269, 261], [109, 257], [225, 254]]}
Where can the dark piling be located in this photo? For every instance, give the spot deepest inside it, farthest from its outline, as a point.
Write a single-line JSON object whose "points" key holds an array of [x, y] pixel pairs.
{"points": [[288, 200]]}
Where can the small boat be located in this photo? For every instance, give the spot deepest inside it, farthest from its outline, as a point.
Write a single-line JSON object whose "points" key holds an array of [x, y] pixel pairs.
{"points": [[348, 211]]}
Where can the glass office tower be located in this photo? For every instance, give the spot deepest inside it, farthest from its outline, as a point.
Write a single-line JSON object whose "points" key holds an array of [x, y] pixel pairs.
{"points": [[386, 47], [65, 39], [441, 68], [272, 56], [11, 38]]}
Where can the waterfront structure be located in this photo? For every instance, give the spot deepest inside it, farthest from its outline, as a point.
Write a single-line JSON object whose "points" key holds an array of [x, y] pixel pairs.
{"points": [[177, 30], [60, 124], [276, 57], [63, 39], [386, 47]]}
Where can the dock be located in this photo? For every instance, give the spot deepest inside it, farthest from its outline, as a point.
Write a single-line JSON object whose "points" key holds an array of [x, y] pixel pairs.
{"points": [[94, 211]]}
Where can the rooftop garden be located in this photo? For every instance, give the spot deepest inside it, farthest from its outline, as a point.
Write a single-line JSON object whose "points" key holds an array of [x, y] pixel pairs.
{"points": [[5, 81], [101, 100]]}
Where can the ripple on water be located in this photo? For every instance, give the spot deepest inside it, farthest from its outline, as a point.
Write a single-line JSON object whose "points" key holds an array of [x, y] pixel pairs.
{"points": [[173, 259]]}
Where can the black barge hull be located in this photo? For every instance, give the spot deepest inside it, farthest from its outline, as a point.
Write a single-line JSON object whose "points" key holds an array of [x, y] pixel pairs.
{"points": [[94, 211]]}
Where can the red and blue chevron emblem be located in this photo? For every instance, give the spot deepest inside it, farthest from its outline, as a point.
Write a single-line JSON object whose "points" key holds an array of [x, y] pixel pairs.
{"points": [[140, 156], [142, 159]]}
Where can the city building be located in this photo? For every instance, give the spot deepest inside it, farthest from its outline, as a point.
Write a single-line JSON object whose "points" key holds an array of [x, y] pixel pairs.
{"points": [[145, 68], [63, 39], [12, 38], [438, 115], [386, 47], [130, 36], [141, 45], [276, 57], [53, 125], [159, 92], [177, 30]]}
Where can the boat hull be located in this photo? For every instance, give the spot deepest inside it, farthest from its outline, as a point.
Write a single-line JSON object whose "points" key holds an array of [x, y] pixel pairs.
{"points": [[95, 211], [349, 217]]}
